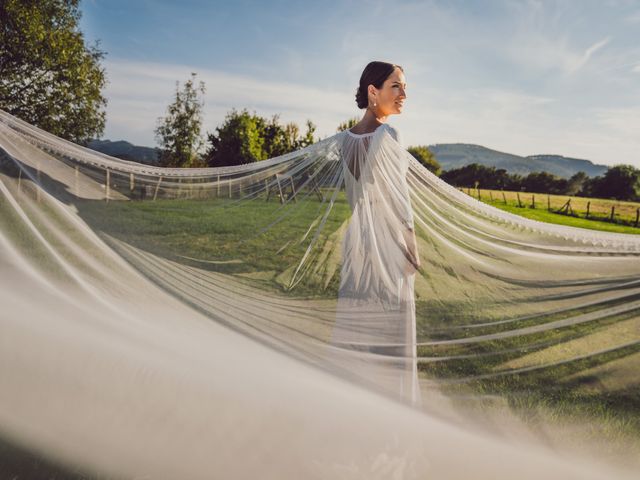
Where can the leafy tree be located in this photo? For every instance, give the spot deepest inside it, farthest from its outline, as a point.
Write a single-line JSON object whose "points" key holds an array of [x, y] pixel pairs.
{"points": [[486, 177], [308, 138], [544, 182], [237, 141], [348, 124], [179, 132], [426, 158], [621, 182], [576, 183], [468, 175], [284, 139], [49, 77], [245, 138], [501, 180]]}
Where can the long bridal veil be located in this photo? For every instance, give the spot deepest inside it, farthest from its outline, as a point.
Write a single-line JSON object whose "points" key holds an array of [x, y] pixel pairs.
{"points": [[375, 312], [266, 319]]}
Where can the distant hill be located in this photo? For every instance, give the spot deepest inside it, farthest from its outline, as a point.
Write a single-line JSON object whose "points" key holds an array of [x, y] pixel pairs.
{"points": [[449, 155], [126, 151], [456, 155]]}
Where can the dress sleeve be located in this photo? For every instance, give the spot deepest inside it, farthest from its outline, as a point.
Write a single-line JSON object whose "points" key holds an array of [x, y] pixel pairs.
{"points": [[407, 218], [400, 198], [395, 134]]}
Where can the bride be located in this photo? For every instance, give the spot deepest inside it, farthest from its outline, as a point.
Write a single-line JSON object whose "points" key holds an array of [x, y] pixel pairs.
{"points": [[375, 318]]}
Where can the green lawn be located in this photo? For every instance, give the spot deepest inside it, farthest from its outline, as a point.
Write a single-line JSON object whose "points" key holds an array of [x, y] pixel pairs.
{"points": [[544, 215], [220, 235]]}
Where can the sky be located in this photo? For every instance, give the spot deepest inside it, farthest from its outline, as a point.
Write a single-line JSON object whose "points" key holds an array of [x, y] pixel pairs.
{"points": [[523, 77]]}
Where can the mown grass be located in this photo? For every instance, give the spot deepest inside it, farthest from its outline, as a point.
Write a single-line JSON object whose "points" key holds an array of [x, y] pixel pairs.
{"points": [[599, 209], [552, 392], [220, 235]]}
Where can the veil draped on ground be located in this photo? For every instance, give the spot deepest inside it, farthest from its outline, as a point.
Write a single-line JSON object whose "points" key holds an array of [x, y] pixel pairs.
{"points": [[267, 319]]}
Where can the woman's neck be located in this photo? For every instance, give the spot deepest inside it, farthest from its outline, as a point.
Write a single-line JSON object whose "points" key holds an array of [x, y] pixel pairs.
{"points": [[369, 122]]}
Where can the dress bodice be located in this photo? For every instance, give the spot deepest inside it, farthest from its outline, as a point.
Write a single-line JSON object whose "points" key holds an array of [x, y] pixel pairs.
{"points": [[375, 167]]}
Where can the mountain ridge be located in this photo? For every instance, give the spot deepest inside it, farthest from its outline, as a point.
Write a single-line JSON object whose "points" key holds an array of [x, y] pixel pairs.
{"points": [[449, 155], [457, 155]]}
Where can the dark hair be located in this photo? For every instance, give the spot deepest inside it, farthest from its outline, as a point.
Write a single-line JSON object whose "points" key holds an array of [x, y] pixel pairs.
{"points": [[375, 73]]}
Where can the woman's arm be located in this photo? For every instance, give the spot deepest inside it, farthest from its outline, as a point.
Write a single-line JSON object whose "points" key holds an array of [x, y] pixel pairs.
{"points": [[411, 252]]}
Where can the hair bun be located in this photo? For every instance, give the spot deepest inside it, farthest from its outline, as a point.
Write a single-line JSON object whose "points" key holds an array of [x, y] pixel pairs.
{"points": [[362, 99]]}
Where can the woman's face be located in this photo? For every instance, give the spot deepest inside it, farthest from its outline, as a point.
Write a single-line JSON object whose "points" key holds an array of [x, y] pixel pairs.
{"points": [[391, 96]]}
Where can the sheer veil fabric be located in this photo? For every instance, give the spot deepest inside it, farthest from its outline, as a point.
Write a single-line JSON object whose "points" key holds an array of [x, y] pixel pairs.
{"points": [[266, 319], [376, 308]]}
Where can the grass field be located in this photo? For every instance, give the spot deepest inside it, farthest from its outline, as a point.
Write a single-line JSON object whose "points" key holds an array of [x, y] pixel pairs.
{"points": [[546, 378], [624, 213], [582, 375], [220, 235]]}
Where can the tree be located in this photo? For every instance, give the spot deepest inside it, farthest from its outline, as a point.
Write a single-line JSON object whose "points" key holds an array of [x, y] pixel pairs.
{"points": [[575, 183], [348, 124], [179, 132], [237, 141], [468, 175], [544, 182], [279, 140], [49, 77], [426, 158], [621, 182], [245, 138], [500, 179]]}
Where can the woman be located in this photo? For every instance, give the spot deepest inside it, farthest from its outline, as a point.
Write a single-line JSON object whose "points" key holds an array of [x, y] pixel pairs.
{"points": [[375, 319]]}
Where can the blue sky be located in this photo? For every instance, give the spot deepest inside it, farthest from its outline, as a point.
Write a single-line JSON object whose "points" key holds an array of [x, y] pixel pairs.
{"points": [[524, 77]]}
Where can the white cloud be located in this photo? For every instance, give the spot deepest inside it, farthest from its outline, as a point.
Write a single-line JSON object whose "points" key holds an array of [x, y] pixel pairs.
{"points": [[138, 93], [548, 37], [589, 52], [633, 18], [543, 52]]}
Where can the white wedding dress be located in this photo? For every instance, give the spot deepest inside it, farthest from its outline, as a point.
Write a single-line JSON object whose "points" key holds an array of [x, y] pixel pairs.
{"points": [[375, 317]]}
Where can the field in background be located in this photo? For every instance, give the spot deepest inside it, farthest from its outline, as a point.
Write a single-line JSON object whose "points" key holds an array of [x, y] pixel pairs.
{"points": [[594, 213]]}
